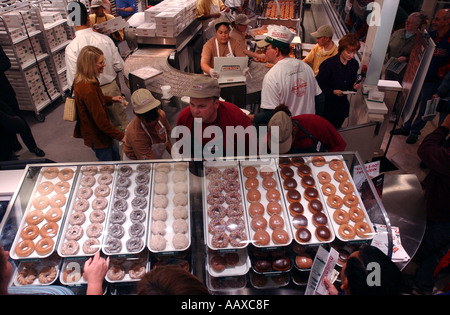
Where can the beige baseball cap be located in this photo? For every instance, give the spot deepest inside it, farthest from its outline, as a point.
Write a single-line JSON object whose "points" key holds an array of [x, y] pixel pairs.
{"points": [[96, 3], [277, 35], [285, 126], [323, 31], [203, 87], [143, 101], [241, 19]]}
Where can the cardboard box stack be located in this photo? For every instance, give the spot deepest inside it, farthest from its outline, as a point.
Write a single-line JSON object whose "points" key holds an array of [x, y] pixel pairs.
{"points": [[111, 26], [25, 52], [36, 83]]}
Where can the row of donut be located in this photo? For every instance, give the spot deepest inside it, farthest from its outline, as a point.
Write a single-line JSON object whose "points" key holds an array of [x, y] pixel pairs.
{"points": [[41, 222]]}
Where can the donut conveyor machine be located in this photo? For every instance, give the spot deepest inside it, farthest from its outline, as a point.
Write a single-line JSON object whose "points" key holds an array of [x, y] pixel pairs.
{"points": [[199, 239]]}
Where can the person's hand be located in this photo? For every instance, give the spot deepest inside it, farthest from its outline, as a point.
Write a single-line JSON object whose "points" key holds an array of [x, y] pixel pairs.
{"points": [[118, 98], [356, 86], [330, 287], [446, 122], [402, 59], [434, 96], [214, 74], [95, 271], [338, 92]]}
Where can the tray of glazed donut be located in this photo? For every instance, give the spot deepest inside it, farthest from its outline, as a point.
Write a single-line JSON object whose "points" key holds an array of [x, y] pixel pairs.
{"points": [[310, 224], [169, 212], [349, 216], [127, 222], [41, 225], [86, 219], [225, 224], [266, 210], [128, 268], [227, 263], [43, 272]]}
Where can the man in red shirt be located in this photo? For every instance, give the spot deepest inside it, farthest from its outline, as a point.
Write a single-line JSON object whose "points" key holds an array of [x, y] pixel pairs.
{"points": [[210, 128]]}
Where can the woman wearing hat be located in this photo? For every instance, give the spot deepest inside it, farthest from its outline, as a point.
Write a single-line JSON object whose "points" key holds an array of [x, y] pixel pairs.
{"points": [[219, 46], [93, 124], [148, 134], [239, 33]]}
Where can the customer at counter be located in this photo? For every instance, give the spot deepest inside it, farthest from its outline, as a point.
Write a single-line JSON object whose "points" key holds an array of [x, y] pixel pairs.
{"points": [[205, 110], [338, 75], [290, 81], [207, 11], [93, 123], [219, 46], [148, 134], [305, 133], [324, 49], [239, 33]]}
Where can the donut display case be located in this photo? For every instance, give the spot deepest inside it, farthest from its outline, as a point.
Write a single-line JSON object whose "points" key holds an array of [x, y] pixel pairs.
{"points": [[44, 272], [227, 263], [72, 269], [128, 268]]}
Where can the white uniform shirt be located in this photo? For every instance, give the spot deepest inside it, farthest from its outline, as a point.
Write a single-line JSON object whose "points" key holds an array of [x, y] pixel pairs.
{"points": [[290, 82], [233, 3], [113, 60]]}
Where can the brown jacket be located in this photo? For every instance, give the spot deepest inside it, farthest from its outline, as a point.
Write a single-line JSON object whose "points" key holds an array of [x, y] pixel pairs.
{"points": [[93, 124]]}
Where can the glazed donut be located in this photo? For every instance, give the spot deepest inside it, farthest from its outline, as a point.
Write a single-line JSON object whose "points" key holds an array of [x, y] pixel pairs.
{"points": [[346, 188], [44, 246], [269, 183], [216, 226], [347, 231], [136, 271], [97, 216], [276, 222], [235, 224], [138, 229], [100, 203], [24, 248], [47, 274], [40, 202], [253, 195], [231, 186], [34, 217], [50, 172], [334, 201], [94, 230], [125, 170], [108, 169], [117, 217], [328, 189], [142, 179], [65, 174], [250, 171], [84, 192], [340, 176], [57, 201], [75, 232], [323, 177], [102, 191], [62, 187], [351, 201], [273, 195], [266, 171], [77, 218], [45, 188], [90, 246], [70, 248], [29, 232], [356, 214], [230, 173], [251, 183], [137, 215], [273, 207], [81, 205], [88, 181], [280, 236], [256, 208], [340, 216], [235, 210], [336, 164], [220, 240], [318, 161], [105, 179], [122, 193], [116, 231], [362, 229], [123, 182], [237, 237], [303, 261], [261, 238], [258, 223], [116, 273], [49, 230]]}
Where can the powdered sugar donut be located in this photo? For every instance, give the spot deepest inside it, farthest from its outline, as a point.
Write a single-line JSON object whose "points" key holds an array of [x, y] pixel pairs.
{"points": [[161, 177], [180, 199], [159, 227], [161, 189], [160, 201], [180, 241], [159, 214], [158, 243], [180, 226], [180, 212], [179, 176]]}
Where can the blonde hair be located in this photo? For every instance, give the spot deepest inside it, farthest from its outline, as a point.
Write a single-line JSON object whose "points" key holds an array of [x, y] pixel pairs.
{"points": [[86, 65]]}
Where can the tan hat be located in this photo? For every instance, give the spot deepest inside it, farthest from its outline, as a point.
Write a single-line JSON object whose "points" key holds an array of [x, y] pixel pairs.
{"points": [[143, 101], [241, 19], [277, 35], [323, 31], [221, 20], [203, 87], [284, 124], [96, 3]]}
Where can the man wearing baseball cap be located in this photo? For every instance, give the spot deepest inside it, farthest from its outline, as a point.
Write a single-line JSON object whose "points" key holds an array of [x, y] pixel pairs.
{"points": [[206, 109], [99, 16], [148, 134], [290, 81], [324, 49]]}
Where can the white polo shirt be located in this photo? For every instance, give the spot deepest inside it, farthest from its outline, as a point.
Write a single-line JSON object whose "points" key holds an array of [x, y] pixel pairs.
{"points": [[85, 37], [290, 82]]}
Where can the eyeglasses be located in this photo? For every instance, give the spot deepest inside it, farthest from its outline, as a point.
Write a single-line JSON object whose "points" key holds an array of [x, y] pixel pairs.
{"points": [[103, 63]]}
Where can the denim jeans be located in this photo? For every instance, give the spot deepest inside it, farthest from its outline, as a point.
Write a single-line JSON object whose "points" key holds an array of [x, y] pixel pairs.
{"points": [[108, 154]]}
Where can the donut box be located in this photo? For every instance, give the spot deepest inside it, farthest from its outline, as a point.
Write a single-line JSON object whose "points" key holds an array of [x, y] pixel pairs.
{"points": [[42, 221], [301, 205], [86, 218], [336, 178], [128, 268], [225, 224], [265, 207], [228, 263], [44, 272], [127, 221], [169, 220]]}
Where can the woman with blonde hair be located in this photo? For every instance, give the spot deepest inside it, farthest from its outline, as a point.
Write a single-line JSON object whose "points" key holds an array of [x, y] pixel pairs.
{"points": [[93, 124]]}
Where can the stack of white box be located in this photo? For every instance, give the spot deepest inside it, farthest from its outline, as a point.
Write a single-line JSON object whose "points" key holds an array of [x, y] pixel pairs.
{"points": [[59, 58], [168, 18], [20, 20], [25, 51], [36, 83], [60, 34], [49, 17], [51, 38], [111, 26]]}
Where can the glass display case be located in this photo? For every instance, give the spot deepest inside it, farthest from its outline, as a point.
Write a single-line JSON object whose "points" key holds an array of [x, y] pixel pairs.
{"points": [[186, 184]]}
